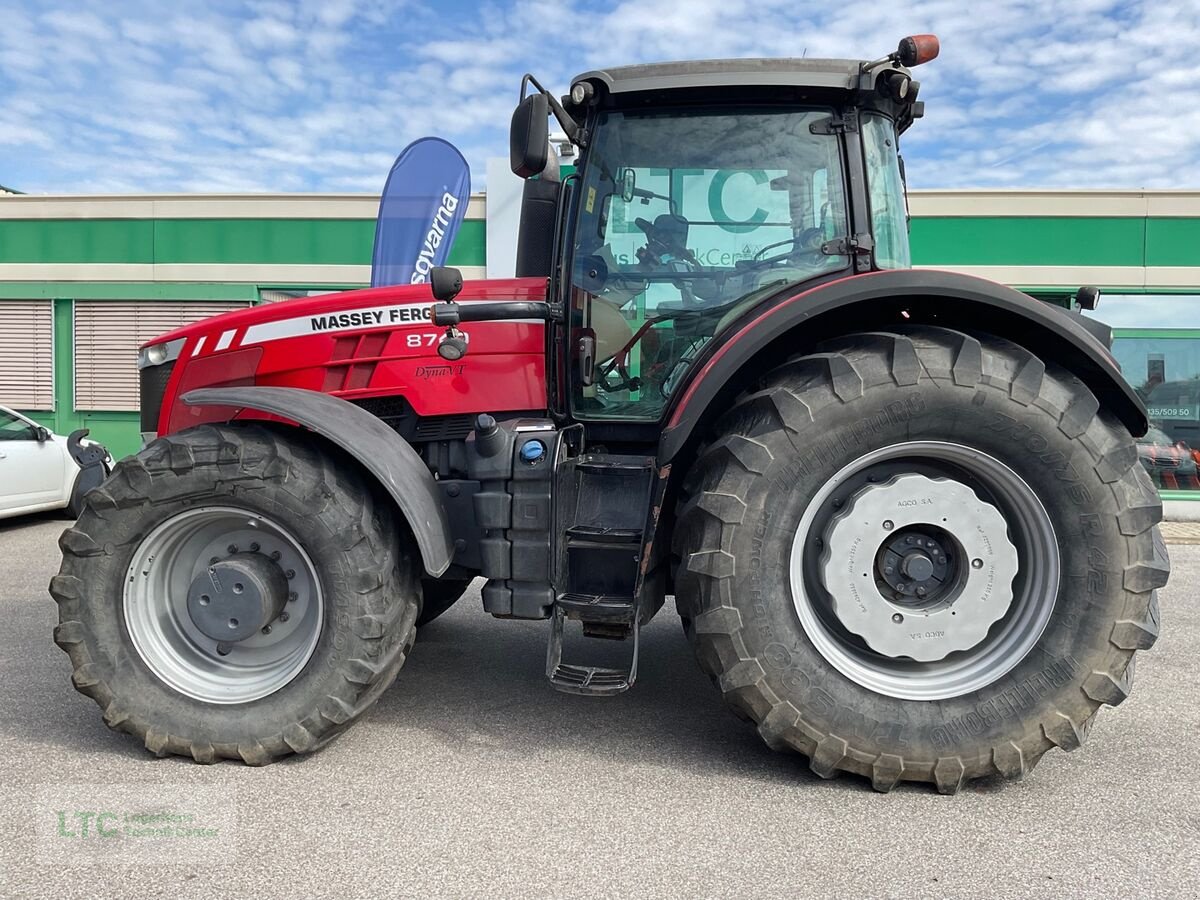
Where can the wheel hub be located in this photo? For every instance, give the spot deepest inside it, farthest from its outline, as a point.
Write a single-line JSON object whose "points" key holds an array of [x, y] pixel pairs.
{"points": [[918, 567], [262, 618], [235, 598]]}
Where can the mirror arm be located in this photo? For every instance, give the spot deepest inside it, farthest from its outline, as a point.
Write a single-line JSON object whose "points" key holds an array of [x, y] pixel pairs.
{"points": [[573, 129]]}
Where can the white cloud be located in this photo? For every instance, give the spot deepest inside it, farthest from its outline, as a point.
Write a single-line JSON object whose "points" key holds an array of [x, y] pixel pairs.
{"points": [[321, 94]]}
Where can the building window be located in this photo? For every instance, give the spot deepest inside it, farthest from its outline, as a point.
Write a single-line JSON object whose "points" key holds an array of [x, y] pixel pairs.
{"points": [[107, 336], [27, 354], [1156, 340]]}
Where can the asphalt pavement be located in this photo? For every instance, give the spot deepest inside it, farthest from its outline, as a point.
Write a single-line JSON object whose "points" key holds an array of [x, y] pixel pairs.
{"points": [[472, 777]]}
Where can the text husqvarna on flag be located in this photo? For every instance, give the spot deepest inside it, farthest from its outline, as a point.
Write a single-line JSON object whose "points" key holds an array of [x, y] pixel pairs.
{"points": [[422, 206]]}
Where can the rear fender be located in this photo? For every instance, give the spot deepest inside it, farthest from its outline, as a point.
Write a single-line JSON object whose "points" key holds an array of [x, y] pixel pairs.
{"points": [[382, 452], [875, 302]]}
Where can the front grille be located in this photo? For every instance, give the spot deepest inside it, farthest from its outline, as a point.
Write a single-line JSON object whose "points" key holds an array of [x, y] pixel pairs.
{"points": [[386, 407], [398, 415], [444, 428], [152, 385]]}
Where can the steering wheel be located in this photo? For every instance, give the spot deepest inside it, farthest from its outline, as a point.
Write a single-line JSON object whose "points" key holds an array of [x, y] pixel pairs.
{"points": [[805, 242]]}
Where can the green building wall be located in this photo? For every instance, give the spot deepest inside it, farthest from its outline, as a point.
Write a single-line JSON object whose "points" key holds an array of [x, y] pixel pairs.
{"points": [[231, 248]]}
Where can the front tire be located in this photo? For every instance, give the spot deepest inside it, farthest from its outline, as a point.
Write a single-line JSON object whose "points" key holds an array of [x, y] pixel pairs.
{"points": [[1036, 530], [334, 576]]}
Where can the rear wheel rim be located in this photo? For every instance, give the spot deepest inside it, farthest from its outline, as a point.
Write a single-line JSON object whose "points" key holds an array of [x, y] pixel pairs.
{"points": [[168, 560], [999, 641]]}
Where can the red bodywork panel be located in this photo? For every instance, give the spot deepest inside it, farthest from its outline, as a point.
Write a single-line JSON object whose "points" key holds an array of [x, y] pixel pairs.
{"points": [[377, 342]]}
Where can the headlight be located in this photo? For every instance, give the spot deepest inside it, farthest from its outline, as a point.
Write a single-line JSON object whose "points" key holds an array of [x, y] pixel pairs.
{"points": [[157, 354], [581, 92]]}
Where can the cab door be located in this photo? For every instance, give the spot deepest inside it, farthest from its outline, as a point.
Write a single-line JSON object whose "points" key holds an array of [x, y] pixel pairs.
{"points": [[32, 472]]}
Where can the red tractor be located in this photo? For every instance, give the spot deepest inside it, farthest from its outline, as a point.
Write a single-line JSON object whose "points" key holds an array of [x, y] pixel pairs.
{"points": [[900, 511]]}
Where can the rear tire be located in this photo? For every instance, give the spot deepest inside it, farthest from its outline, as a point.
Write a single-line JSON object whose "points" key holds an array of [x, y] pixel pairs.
{"points": [[361, 599], [777, 643]]}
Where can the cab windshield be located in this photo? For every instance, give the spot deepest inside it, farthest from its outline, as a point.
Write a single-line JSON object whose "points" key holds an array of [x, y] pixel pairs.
{"points": [[686, 219]]}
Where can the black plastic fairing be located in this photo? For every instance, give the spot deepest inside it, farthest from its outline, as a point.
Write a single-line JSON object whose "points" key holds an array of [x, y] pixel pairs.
{"points": [[535, 239], [152, 387]]}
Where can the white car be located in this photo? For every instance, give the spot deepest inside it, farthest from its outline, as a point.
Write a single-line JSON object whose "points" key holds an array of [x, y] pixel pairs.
{"points": [[38, 470]]}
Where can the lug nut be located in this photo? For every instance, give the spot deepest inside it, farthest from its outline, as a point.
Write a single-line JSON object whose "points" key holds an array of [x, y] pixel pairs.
{"points": [[223, 648], [897, 618], [908, 540], [887, 570], [283, 616], [275, 555], [214, 561], [290, 573], [292, 597], [254, 547], [266, 629], [920, 591], [888, 525], [977, 564], [232, 548]]}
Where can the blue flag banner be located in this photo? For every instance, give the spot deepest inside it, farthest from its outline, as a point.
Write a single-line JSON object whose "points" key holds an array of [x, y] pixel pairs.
{"points": [[423, 204]]}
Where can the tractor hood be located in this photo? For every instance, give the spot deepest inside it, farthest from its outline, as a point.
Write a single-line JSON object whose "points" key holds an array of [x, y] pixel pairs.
{"points": [[376, 347]]}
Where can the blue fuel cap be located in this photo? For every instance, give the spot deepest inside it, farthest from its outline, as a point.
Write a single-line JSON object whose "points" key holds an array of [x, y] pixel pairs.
{"points": [[532, 451]]}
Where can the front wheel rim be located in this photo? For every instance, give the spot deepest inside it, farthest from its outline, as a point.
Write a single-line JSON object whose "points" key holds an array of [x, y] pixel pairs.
{"points": [[155, 598], [1006, 639]]}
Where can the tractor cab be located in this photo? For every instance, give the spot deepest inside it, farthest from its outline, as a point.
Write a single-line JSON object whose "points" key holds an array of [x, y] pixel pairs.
{"points": [[702, 190]]}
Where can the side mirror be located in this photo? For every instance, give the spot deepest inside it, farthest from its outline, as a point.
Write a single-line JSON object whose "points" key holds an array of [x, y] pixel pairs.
{"points": [[42, 434], [446, 282], [1088, 297], [529, 136], [628, 179]]}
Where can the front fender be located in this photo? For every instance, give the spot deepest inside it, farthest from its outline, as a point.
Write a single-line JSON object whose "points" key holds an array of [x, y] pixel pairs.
{"points": [[382, 452], [873, 302]]}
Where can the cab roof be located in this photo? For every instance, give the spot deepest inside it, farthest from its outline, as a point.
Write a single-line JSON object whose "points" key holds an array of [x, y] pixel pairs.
{"points": [[840, 74]]}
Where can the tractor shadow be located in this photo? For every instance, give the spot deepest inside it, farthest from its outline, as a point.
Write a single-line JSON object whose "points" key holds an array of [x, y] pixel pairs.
{"points": [[472, 684], [478, 685], [25, 523]]}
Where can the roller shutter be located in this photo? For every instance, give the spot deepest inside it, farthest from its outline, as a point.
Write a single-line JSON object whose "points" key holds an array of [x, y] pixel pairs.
{"points": [[107, 337], [27, 354]]}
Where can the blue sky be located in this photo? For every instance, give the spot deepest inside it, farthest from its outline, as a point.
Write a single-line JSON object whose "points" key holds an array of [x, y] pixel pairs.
{"points": [[320, 95]]}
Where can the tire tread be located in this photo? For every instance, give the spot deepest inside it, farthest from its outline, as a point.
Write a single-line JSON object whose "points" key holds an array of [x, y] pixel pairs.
{"points": [[807, 384], [251, 455]]}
